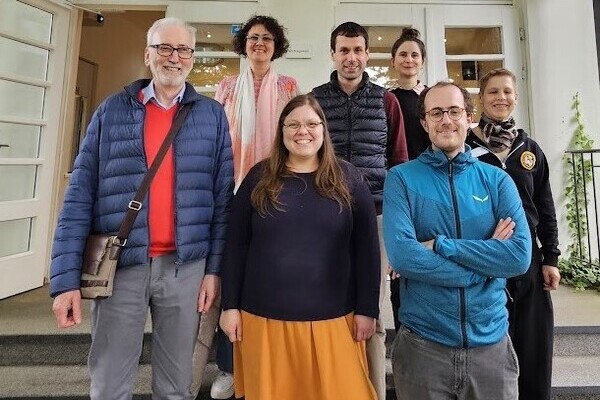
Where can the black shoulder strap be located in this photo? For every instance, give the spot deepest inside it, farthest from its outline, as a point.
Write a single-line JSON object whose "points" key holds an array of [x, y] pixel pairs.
{"points": [[135, 205]]}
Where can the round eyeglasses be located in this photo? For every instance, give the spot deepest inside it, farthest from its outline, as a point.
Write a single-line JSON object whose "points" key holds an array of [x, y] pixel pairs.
{"points": [[437, 114], [310, 126], [166, 50]]}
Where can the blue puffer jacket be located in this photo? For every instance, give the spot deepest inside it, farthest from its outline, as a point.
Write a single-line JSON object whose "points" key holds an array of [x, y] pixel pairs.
{"points": [[455, 294], [110, 168]]}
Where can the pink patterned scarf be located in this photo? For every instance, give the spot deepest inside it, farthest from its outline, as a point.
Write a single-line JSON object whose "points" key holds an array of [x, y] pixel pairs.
{"points": [[252, 122]]}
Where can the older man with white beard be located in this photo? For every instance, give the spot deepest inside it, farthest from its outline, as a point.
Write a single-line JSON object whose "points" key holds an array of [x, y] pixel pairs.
{"points": [[171, 259]]}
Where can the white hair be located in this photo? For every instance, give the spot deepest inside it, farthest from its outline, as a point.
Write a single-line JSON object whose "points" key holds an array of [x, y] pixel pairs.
{"points": [[170, 21]]}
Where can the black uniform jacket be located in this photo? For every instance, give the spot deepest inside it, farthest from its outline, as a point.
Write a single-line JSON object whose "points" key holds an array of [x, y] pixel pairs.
{"points": [[528, 167]]}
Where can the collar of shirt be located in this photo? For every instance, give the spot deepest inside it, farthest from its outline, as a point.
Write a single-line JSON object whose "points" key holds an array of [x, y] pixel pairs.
{"points": [[149, 94]]}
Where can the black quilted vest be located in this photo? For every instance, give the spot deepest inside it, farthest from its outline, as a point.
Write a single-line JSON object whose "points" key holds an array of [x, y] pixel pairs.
{"points": [[358, 127]]}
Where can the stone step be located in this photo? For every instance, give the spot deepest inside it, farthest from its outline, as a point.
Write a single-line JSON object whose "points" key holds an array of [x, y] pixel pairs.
{"points": [[72, 349], [576, 375], [72, 382], [577, 341], [575, 378]]}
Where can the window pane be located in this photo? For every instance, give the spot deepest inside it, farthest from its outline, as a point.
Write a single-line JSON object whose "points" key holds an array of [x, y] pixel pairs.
{"points": [[20, 100], [19, 141], [467, 73], [17, 182], [215, 34], [379, 72], [25, 21], [15, 236], [473, 41], [209, 71], [381, 38], [25, 60]]}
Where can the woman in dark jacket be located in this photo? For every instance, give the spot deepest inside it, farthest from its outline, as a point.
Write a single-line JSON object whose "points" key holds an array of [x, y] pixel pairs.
{"points": [[497, 141]]}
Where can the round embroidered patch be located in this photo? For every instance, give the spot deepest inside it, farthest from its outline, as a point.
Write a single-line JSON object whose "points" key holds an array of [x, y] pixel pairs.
{"points": [[528, 160]]}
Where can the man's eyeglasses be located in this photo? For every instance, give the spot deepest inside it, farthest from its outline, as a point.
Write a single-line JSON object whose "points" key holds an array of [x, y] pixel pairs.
{"points": [[310, 126], [437, 114], [264, 38], [166, 50]]}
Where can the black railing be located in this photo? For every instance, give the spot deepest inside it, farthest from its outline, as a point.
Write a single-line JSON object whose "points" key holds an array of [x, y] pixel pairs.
{"points": [[585, 174]]}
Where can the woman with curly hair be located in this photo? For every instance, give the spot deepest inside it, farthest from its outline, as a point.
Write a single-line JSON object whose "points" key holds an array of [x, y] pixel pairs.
{"points": [[301, 269], [252, 101]]}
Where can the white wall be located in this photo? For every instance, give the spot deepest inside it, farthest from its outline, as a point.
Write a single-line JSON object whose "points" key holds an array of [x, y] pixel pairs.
{"points": [[308, 23], [562, 61]]}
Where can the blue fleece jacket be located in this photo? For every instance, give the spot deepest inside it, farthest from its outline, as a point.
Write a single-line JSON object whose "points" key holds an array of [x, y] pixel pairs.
{"points": [[110, 168], [453, 295]]}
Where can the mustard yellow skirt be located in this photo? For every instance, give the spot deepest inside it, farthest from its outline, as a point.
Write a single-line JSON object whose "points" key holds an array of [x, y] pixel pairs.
{"points": [[289, 360]]}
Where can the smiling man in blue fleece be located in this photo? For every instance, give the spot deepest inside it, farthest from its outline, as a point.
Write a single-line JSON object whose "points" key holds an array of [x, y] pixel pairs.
{"points": [[454, 230]]}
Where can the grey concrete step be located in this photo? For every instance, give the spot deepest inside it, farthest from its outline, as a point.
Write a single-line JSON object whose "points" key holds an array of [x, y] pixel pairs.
{"points": [[579, 374], [72, 349], [72, 382], [575, 378], [577, 341]]}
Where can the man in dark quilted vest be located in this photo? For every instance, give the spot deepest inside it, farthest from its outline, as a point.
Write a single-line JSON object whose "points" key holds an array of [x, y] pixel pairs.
{"points": [[170, 261], [367, 129]]}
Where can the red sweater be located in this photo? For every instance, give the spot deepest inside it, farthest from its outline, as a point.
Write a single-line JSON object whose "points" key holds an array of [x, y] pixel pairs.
{"points": [[161, 207]]}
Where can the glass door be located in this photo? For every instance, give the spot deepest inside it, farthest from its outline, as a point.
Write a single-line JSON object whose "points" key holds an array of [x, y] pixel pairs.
{"points": [[33, 36], [469, 41]]}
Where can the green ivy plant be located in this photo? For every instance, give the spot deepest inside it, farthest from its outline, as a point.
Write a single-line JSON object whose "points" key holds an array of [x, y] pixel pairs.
{"points": [[577, 272]]}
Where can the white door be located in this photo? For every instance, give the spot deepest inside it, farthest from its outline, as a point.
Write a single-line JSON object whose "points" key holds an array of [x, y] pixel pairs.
{"points": [[33, 37], [463, 42]]}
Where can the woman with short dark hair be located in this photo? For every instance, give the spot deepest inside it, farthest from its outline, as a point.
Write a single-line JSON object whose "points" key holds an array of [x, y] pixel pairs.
{"points": [[497, 141]]}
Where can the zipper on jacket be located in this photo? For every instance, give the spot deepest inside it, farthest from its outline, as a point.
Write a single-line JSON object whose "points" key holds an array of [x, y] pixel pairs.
{"points": [[148, 258], [349, 113], [509, 154], [502, 162], [463, 308]]}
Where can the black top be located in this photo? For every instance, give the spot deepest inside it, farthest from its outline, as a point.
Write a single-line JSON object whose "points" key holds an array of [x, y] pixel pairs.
{"points": [[527, 166], [417, 139], [309, 262]]}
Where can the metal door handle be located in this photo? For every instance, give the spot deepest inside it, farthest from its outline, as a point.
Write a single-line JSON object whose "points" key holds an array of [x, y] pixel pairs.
{"points": [[4, 145]]}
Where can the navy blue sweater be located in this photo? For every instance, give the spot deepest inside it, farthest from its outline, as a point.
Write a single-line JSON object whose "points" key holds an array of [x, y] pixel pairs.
{"points": [[308, 262]]}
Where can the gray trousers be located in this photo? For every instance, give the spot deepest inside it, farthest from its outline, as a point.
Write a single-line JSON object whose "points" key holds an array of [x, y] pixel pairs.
{"points": [[171, 291], [426, 370]]}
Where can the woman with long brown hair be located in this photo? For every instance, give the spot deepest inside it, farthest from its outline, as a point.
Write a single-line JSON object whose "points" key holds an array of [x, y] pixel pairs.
{"points": [[301, 269]]}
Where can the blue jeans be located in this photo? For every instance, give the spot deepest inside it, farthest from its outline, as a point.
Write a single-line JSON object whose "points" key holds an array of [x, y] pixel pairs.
{"points": [[427, 370]]}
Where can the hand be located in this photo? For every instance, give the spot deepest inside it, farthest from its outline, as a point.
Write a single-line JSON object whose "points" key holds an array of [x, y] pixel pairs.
{"points": [[393, 274], [551, 276], [231, 323], [504, 229], [429, 244], [364, 327], [67, 308], [209, 290]]}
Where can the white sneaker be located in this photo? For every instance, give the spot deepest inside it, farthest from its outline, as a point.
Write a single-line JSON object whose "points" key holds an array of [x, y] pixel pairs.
{"points": [[222, 387]]}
